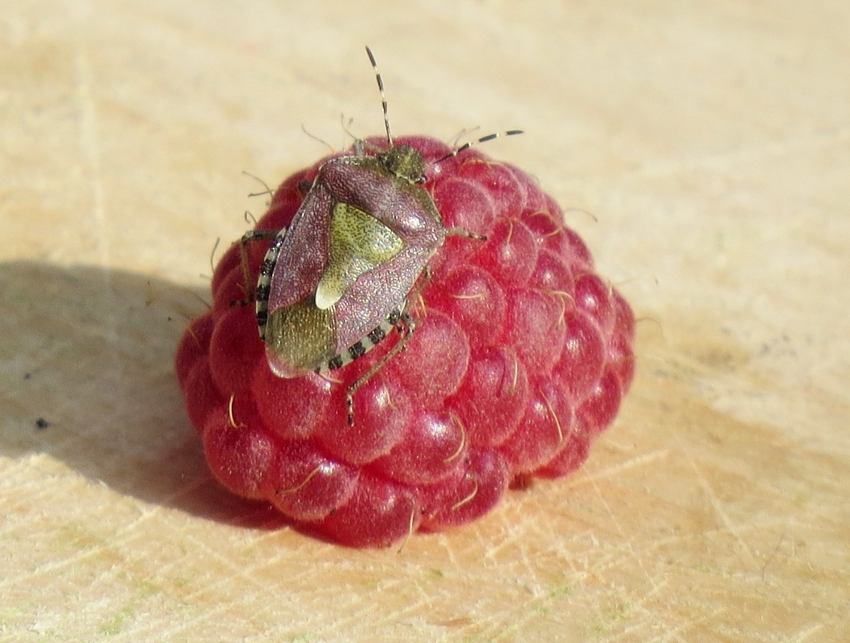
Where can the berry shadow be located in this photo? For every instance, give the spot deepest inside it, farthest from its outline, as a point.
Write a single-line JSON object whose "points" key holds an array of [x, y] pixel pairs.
{"points": [[87, 377]]}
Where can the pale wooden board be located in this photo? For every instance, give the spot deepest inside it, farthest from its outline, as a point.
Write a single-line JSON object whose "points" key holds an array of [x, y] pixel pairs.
{"points": [[711, 140]]}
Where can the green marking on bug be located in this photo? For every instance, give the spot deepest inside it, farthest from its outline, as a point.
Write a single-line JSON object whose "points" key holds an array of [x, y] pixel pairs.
{"points": [[358, 243], [299, 332]]}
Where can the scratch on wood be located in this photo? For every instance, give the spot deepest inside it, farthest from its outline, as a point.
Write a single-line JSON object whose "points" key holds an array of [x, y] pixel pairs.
{"points": [[721, 512], [622, 532], [637, 461], [772, 556], [802, 636]]}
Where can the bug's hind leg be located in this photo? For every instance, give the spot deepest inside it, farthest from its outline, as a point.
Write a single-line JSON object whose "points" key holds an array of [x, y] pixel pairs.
{"points": [[405, 325]]}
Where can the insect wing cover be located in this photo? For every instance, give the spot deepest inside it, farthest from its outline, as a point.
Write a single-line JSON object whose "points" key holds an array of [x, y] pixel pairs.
{"points": [[300, 336]]}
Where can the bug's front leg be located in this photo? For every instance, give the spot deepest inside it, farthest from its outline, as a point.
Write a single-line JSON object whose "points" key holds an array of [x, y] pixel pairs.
{"points": [[463, 232]]}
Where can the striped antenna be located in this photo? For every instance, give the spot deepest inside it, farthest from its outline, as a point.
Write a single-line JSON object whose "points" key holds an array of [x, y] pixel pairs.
{"points": [[483, 139], [383, 96]]}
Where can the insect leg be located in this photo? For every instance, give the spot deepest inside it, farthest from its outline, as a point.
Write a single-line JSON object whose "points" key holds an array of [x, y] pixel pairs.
{"points": [[250, 237], [405, 326], [463, 232]]}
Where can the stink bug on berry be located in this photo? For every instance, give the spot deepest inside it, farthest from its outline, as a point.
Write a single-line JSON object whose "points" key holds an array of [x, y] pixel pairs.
{"points": [[342, 276]]}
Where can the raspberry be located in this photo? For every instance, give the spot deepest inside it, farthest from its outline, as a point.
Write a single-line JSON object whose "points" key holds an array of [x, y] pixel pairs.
{"points": [[520, 359]]}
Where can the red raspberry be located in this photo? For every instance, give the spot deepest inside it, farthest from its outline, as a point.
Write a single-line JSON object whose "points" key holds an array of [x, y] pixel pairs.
{"points": [[520, 359]]}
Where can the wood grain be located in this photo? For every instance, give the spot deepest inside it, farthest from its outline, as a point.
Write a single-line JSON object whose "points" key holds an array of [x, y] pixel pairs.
{"points": [[709, 141]]}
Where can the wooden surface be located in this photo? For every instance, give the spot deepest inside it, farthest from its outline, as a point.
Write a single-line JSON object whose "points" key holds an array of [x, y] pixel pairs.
{"points": [[710, 140]]}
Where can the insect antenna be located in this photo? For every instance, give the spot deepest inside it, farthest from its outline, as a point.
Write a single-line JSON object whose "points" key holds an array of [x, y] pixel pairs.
{"points": [[483, 139], [383, 95]]}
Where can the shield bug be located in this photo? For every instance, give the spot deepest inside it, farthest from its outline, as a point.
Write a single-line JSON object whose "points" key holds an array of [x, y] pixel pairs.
{"points": [[341, 277]]}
